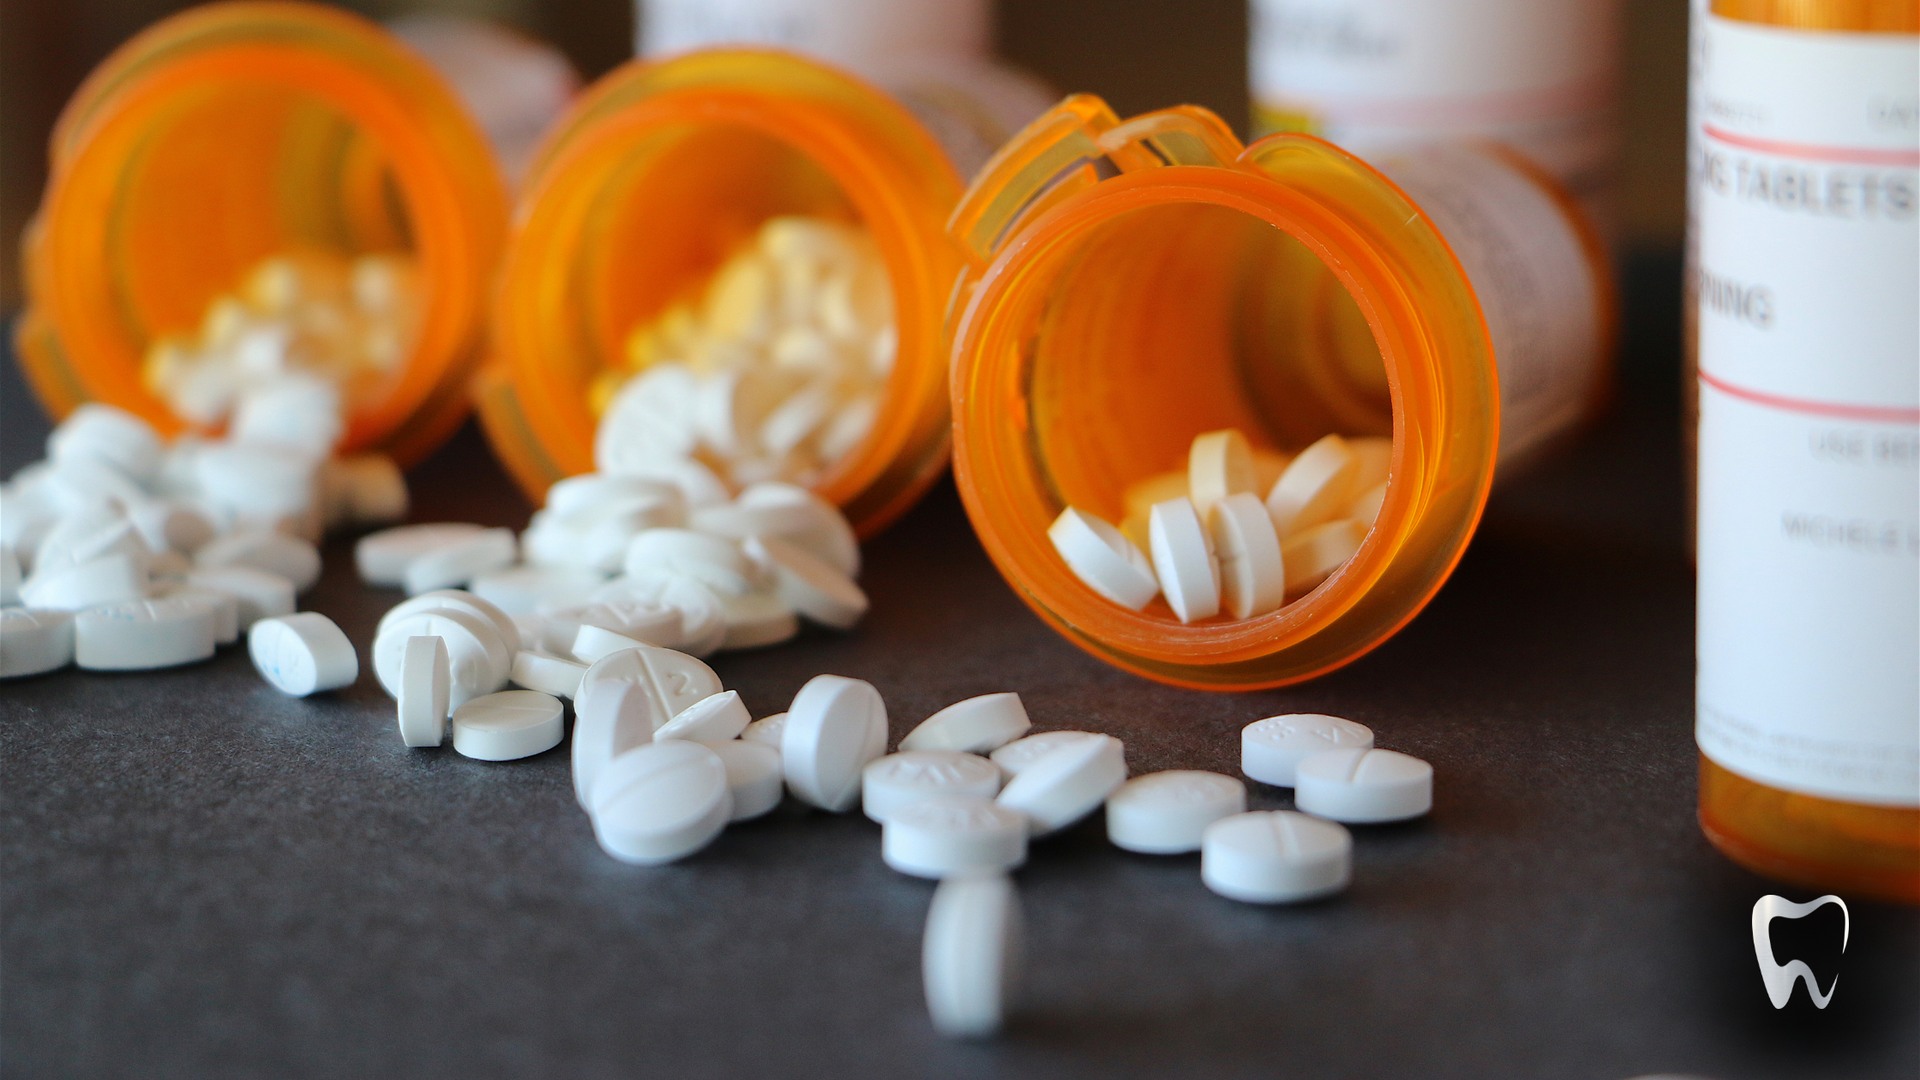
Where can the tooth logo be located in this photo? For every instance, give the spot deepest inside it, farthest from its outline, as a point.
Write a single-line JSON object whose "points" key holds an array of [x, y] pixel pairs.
{"points": [[1779, 978]]}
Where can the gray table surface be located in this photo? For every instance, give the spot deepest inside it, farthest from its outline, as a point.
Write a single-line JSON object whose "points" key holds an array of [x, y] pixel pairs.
{"points": [[202, 878]]}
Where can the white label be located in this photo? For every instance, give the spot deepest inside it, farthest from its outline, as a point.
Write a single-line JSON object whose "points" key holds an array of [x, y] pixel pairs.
{"points": [[853, 33], [1533, 277], [1368, 74], [1808, 306]]}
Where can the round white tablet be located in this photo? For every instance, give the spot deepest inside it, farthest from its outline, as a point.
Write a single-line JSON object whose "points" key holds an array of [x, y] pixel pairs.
{"points": [[1105, 560], [943, 835], [1165, 813], [110, 579], [1271, 749], [654, 624], [33, 641], [1252, 579], [703, 622], [527, 590], [1364, 786], [1183, 560], [897, 780], [753, 775], [479, 661], [1275, 856], [1014, 757], [458, 600], [302, 654], [276, 553], [257, 594], [834, 727], [142, 634], [717, 718], [382, 557], [461, 561], [770, 730], [970, 956], [756, 620], [508, 725], [974, 726], [425, 686], [714, 561], [610, 717], [809, 584], [548, 674], [1068, 783], [659, 802], [826, 532]]}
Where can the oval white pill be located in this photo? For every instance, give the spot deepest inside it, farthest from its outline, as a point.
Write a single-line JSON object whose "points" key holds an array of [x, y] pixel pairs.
{"points": [[1271, 749], [897, 780], [1183, 559], [1253, 580], [554, 675], [970, 955], [714, 719], [770, 730], [382, 557], [1315, 485], [810, 585], [508, 725], [257, 594], [460, 561], [426, 686], [479, 660], [302, 654], [1364, 786], [1067, 783], [277, 553], [1275, 857], [142, 634], [1014, 757], [944, 835], [753, 776], [834, 727], [974, 726], [1165, 813], [33, 641], [703, 622], [1107, 562], [660, 802]]}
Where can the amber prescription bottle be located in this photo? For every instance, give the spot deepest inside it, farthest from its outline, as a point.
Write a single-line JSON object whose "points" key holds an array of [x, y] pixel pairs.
{"points": [[1134, 284], [236, 131], [660, 172]]}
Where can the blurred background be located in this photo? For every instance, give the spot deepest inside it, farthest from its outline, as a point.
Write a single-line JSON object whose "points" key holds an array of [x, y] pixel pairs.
{"points": [[1138, 54]]}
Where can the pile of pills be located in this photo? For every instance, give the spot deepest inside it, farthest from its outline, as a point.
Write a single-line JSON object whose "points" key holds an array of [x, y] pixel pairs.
{"points": [[775, 372], [1206, 540]]}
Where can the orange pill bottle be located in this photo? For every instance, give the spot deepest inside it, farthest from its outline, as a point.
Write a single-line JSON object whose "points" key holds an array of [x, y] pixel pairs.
{"points": [[237, 131]]}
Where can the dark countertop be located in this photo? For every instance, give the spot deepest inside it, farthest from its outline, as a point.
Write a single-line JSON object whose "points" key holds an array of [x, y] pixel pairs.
{"points": [[202, 878]]}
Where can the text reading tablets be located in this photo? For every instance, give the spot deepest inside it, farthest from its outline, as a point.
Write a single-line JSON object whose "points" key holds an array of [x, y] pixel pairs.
{"points": [[1183, 559], [834, 727], [974, 726], [1271, 749], [554, 675], [943, 835], [1014, 757], [1067, 783], [1275, 857], [383, 557], [460, 561], [970, 954], [770, 730], [302, 654], [426, 684], [142, 634], [809, 584], [33, 641], [1165, 813], [508, 725], [894, 781], [753, 776], [716, 718], [1107, 562], [660, 802], [1364, 786], [1252, 579]]}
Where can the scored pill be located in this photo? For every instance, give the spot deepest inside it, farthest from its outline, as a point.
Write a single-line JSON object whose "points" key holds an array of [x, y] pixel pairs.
{"points": [[897, 780], [1271, 749], [1364, 785], [1275, 857]]}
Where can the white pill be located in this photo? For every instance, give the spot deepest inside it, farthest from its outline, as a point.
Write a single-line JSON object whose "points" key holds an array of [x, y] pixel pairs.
{"points": [[256, 481], [142, 634], [382, 557], [825, 531], [611, 717], [756, 620], [635, 621], [1314, 486], [753, 776], [276, 553], [898, 780], [526, 590], [426, 686], [110, 436], [457, 600], [714, 561], [111, 579], [834, 727], [974, 726], [508, 725], [1275, 857], [942, 835], [714, 719], [1253, 581], [257, 594], [970, 956], [703, 621], [1219, 464], [302, 654], [1067, 783], [660, 802], [225, 608], [548, 674], [592, 494], [461, 561], [479, 660], [34, 641], [1014, 757], [1165, 813], [1107, 562], [1312, 555], [592, 643], [809, 584], [1183, 559], [770, 730], [1271, 749], [1364, 786]]}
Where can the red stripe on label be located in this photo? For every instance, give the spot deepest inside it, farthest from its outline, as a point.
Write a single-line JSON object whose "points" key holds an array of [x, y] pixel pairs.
{"points": [[1852, 155], [1875, 413]]}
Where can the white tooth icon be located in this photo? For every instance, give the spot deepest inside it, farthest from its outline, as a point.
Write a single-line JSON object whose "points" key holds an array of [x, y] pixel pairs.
{"points": [[1779, 978]]}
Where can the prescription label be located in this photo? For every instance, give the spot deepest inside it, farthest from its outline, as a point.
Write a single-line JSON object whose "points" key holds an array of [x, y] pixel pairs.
{"points": [[1807, 299]]}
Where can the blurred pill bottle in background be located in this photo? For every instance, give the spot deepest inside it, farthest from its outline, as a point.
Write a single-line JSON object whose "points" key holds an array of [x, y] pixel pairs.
{"points": [[1542, 77], [515, 86], [1808, 269], [1133, 284], [229, 135]]}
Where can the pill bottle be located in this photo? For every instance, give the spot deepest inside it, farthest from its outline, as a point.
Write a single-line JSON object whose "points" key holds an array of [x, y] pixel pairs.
{"points": [[658, 174], [232, 132], [1808, 255], [1369, 74], [1131, 285]]}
